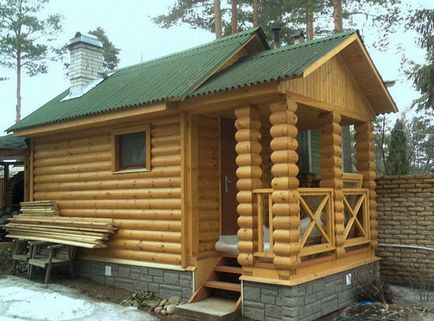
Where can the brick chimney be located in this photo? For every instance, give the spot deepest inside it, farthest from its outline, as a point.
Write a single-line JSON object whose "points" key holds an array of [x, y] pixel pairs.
{"points": [[87, 59]]}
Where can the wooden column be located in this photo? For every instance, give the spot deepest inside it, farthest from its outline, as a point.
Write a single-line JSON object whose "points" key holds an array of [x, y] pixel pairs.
{"points": [[365, 164], [26, 175], [186, 237], [249, 174], [331, 171], [5, 183], [286, 208]]}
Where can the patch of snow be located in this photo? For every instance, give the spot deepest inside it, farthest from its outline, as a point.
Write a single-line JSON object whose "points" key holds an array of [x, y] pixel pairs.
{"points": [[22, 300]]}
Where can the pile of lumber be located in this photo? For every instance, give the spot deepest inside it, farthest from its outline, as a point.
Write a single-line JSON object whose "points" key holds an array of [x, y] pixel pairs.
{"points": [[75, 231], [44, 208]]}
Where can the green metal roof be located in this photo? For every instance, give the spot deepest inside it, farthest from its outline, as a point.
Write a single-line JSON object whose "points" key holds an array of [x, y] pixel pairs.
{"points": [[269, 65], [12, 142], [186, 74], [173, 76]]}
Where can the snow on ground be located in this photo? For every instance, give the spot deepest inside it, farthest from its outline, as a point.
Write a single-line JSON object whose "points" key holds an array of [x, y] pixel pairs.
{"points": [[22, 300]]}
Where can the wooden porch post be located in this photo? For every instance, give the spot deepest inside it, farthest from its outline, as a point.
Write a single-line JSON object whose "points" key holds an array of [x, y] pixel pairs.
{"points": [[249, 174], [365, 164], [331, 171], [286, 208], [5, 182]]}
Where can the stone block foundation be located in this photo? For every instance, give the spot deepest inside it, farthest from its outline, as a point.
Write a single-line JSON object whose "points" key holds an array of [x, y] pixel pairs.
{"points": [[304, 302], [163, 283]]}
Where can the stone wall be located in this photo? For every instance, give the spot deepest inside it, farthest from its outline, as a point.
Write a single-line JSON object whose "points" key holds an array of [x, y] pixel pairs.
{"points": [[162, 282], [406, 218], [304, 302]]}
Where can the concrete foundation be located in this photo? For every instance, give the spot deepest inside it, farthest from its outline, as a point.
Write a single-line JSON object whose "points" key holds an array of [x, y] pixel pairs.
{"points": [[162, 282], [304, 302]]}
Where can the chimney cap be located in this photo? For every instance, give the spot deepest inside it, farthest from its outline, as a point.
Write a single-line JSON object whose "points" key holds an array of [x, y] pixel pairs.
{"points": [[85, 38]]}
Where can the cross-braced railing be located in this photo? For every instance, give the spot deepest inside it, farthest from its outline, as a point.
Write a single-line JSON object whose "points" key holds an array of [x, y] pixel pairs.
{"points": [[317, 222], [356, 212]]}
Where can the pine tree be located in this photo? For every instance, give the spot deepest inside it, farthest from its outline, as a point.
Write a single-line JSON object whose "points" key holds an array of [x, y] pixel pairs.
{"points": [[111, 52], [397, 162], [24, 39], [422, 21]]}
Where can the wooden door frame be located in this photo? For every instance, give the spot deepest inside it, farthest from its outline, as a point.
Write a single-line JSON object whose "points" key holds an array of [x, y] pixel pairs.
{"points": [[221, 176]]}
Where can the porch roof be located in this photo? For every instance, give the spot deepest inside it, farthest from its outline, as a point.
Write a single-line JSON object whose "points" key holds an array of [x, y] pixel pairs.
{"points": [[274, 64], [12, 142], [302, 59]]}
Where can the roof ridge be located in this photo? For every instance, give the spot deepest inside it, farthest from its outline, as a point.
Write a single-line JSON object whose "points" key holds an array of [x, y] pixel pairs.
{"points": [[191, 50], [302, 44]]}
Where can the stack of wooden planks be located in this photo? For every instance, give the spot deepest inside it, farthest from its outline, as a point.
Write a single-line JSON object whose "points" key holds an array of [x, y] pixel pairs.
{"points": [[45, 208], [75, 231]]}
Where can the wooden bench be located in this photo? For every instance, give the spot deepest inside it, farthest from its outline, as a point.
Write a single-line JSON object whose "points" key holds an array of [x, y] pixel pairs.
{"points": [[21, 250], [20, 253], [51, 256]]}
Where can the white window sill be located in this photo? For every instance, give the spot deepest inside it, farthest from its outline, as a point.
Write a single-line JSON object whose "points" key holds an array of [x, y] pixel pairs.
{"points": [[129, 171]]}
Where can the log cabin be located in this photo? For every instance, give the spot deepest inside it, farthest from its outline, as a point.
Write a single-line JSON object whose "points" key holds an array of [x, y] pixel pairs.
{"points": [[222, 167]]}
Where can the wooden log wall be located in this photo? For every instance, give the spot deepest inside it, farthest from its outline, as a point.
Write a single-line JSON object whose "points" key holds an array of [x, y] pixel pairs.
{"points": [[249, 174], [208, 191], [75, 171], [331, 170], [365, 164], [286, 208]]}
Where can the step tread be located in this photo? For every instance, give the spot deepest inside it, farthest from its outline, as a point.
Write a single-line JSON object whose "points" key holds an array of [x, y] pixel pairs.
{"points": [[229, 269], [235, 287], [228, 255]]}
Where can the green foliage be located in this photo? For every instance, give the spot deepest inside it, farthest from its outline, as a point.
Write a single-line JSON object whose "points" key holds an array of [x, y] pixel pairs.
{"points": [[419, 135], [196, 13], [421, 141], [397, 162], [382, 138], [290, 15], [24, 37], [422, 21], [383, 16], [111, 52]]}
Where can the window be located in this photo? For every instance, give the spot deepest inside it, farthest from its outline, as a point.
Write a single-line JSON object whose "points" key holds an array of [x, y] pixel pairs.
{"points": [[131, 149]]}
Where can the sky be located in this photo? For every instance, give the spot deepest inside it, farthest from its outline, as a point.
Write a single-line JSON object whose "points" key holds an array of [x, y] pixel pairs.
{"points": [[129, 25]]}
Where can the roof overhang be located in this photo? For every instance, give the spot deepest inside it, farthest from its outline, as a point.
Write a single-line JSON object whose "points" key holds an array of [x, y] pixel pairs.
{"points": [[107, 118]]}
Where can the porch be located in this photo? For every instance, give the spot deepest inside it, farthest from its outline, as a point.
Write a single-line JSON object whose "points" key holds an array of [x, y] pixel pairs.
{"points": [[291, 226]]}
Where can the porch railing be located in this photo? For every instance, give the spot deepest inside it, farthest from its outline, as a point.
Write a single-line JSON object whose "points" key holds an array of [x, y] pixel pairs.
{"points": [[317, 220], [356, 213], [316, 208], [265, 211]]}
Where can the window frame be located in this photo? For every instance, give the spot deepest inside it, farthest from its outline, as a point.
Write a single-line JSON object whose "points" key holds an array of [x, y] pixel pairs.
{"points": [[115, 148]]}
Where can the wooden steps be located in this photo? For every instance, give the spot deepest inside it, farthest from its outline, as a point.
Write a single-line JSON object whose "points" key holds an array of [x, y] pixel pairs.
{"points": [[234, 287], [228, 269], [223, 280], [222, 283]]}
